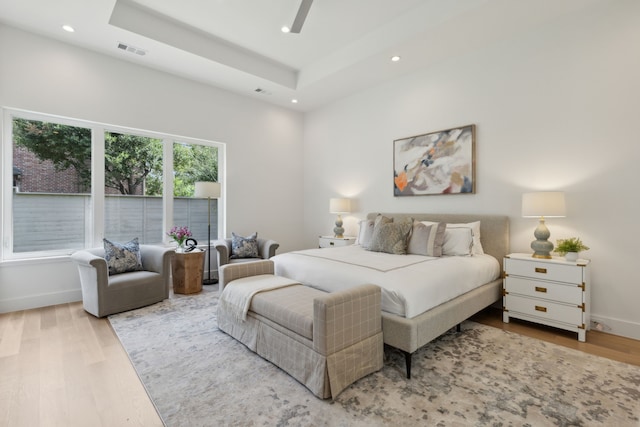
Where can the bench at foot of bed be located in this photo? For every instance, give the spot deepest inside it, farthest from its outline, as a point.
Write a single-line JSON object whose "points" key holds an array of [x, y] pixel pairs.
{"points": [[326, 341]]}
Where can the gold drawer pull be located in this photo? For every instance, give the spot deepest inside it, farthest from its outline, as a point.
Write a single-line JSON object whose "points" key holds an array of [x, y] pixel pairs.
{"points": [[539, 308], [541, 270], [540, 289]]}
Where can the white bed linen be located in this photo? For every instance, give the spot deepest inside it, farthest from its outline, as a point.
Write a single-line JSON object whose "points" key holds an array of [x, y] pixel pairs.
{"points": [[411, 284]]}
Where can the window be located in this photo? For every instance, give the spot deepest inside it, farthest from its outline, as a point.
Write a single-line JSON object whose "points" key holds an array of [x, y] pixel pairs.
{"points": [[68, 183], [133, 188], [193, 163], [51, 179]]}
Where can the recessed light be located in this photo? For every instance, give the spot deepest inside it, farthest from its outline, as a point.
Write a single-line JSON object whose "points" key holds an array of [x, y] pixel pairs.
{"points": [[285, 29], [68, 28], [294, 101], [395, 58]]}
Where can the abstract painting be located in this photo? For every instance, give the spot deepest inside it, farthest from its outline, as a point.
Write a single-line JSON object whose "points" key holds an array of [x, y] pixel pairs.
{"points": [[440, 162]]}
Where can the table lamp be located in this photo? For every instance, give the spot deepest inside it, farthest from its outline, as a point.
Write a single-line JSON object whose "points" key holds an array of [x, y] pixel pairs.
{"points": [[543, 204], [208, 190], [339, 206]]}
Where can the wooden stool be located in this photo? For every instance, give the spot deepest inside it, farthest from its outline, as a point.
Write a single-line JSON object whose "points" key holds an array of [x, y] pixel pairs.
{"points": [[186, 269]]}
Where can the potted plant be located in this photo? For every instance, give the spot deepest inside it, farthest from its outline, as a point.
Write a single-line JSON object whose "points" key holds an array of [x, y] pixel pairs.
{"points": [[570, 248]]}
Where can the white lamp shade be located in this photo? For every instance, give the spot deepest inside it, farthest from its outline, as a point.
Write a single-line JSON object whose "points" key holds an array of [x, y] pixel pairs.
{"points": [[339, 206], [207, 189], [543, 204]]}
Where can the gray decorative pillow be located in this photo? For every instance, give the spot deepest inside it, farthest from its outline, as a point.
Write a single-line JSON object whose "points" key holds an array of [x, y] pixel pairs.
{"points": [[381, 219], [244, 247], [391, 237], [427, 240], [122, 257]]}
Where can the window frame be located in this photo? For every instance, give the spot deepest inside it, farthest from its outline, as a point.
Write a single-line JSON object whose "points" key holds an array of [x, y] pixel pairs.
{"points": [[94, 231]]}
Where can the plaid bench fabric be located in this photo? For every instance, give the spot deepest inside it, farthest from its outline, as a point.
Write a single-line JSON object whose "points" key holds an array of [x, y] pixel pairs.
{"points": [[326, 341]]}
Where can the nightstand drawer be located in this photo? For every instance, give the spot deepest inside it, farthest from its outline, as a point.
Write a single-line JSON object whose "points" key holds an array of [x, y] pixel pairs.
{"points": [[571, 294], [544, 270], [332, 242], [545, 309]]}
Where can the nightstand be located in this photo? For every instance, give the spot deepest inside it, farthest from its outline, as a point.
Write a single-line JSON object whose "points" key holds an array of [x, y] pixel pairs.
{"points": [[332, 242], [553, 292]]}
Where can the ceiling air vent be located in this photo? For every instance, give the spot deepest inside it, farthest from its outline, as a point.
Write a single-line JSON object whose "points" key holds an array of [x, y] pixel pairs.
{"points": [[131, 49]]}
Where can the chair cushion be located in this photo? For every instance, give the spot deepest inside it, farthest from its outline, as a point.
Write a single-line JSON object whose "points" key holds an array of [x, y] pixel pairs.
{"points": [[290, 307], [122, 257], [244, 247]]}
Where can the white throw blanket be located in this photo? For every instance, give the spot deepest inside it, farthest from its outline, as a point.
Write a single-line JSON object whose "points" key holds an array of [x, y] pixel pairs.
{"points": [[236, 296]]}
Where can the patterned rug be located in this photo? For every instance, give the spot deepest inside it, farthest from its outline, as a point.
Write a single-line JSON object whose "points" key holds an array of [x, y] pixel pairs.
{"points": [[197, 375]]}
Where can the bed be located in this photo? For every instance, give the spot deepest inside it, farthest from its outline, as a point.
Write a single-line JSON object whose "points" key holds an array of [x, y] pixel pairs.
{"points": [[408, 321]]}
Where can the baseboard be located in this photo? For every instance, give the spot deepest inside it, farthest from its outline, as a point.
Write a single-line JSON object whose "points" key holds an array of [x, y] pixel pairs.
{"points": [[615, 326], [41, 300]]}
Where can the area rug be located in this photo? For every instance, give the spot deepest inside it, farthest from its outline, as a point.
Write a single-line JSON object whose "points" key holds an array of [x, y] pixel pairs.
{"points": [[196, 375]]}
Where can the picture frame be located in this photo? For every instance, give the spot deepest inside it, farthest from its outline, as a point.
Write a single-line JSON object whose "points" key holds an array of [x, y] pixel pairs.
{"points": [[435, 163]]}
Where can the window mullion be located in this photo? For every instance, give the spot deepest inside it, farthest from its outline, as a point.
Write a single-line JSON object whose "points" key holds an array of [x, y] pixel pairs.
{"points": [[97, 186], [6, 182], [167, 186]]}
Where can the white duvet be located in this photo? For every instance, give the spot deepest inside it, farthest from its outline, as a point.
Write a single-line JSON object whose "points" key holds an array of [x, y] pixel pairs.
{"points": [[411, 284]]}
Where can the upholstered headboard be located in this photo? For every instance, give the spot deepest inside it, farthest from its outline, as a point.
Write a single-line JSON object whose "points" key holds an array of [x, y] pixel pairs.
{"points": [[494, 229]]}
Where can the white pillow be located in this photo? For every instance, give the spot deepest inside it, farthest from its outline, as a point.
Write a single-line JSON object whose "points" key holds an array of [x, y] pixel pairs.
{"points": [[365, 233], [475, 231], [476, 248], [458, 242]]}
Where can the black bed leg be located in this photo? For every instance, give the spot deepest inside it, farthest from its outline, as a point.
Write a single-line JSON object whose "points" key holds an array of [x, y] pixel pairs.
{"points": [[407, 359], [458, 328]]}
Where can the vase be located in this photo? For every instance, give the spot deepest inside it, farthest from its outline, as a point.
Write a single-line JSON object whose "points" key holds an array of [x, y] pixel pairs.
{"points": [[571, 256], [180, 248]]}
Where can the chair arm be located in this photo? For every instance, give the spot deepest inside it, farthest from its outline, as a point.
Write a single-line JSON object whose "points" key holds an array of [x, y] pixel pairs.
{"points": [[89, 260], [94, 278], [156, 258], [267, 248], [341, 319], [223, 246], [229, 272]]}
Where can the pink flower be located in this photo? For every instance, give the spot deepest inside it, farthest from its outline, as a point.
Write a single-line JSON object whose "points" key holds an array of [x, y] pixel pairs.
{"points": [[179, 234]]}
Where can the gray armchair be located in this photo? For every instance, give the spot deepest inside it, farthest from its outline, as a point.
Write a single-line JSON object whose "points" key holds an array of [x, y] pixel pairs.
{"points": [[103, 295], [266, 249]]}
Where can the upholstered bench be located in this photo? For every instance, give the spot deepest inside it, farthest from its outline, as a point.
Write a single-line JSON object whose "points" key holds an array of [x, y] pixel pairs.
{"points": [[326, 341]]}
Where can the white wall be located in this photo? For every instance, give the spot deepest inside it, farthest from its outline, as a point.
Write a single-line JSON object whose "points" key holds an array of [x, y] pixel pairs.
{"points": [[263, 142], [554, 110]]}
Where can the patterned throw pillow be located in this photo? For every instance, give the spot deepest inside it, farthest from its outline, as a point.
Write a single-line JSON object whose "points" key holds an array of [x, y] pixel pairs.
{"points": [[427, 240], [391, 237], [244, 247], [122, 257]]}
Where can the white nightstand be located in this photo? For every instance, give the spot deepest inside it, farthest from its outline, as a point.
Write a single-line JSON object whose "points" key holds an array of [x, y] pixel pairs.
{"points": [[332, 242], [553, 292]]}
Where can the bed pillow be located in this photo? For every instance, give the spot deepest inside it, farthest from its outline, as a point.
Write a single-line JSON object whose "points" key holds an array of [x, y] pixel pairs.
{"points": [[381, 219], [391, 237], [426, 240], [244, 247], [365, 232], [476, 248], [475, 231], [122, 257], [458, 242]]}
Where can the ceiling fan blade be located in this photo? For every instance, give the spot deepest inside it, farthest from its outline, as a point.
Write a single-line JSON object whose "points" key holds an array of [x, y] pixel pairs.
{"points": [[301, 16]]}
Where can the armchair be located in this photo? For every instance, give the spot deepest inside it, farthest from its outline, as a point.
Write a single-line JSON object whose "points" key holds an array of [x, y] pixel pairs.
{"points": [[266, 249], [103, 295]]}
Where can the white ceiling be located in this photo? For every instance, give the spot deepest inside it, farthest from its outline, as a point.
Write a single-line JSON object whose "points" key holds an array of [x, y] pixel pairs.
{"points": [[344, 46]]}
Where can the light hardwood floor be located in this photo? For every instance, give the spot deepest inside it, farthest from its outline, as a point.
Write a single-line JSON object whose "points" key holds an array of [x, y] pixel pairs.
{"points": [[60, 366]]}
